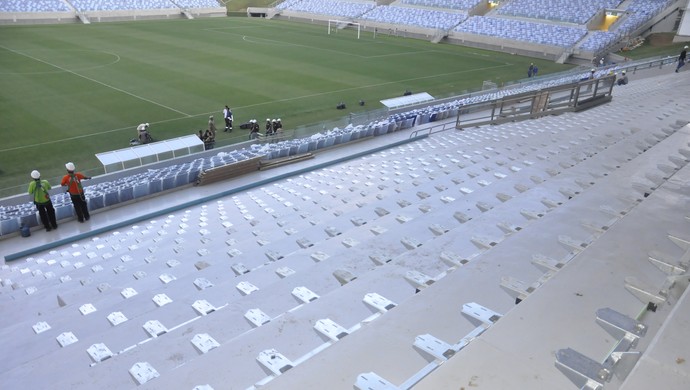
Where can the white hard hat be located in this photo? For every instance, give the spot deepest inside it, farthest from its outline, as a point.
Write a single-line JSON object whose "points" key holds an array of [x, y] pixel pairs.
{"points": [[70, 166], [278, 119], [268, 119], [623, 72], [210, 117], [35, 174], [147, 125], [686, 46]]}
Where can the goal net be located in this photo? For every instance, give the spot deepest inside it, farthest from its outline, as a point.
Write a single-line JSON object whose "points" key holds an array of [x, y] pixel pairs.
{"points": [[334, 25]]}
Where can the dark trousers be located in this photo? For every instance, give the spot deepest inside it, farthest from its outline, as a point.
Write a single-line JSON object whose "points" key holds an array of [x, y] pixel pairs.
{"points": [[80, 207], [47, 213]]}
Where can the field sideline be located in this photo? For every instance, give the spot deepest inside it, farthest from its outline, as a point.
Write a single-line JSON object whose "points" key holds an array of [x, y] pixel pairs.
{"points": [[68, 92]]}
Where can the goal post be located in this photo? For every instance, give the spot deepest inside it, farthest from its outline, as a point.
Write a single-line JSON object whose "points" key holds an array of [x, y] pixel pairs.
{"points": [[335, 25]]}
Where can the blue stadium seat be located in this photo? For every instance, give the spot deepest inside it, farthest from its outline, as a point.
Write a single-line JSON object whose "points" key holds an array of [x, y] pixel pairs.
{"points": [[30, 220], [111, 197], [141, 189], [95, 201], [169, 181], [9, 225]]}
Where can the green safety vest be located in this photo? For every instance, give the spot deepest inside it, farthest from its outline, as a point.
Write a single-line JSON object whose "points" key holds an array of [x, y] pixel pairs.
{"points": [[39, 190]]}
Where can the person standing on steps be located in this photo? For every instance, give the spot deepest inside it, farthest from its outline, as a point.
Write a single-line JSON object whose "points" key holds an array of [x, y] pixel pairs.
{"points": [[72, 180], [38, 189], [681, 58], [623, 80]]}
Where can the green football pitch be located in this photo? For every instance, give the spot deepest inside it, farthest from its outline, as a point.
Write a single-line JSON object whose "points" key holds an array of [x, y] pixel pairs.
{"points": [[68, 92]]}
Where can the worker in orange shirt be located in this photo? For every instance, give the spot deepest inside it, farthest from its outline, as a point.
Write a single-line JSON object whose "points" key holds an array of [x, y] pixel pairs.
{"points": [[72, 180]]}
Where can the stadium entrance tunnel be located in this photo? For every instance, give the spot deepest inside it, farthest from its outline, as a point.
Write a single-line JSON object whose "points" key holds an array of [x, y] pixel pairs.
{"points": [[257, 12]]}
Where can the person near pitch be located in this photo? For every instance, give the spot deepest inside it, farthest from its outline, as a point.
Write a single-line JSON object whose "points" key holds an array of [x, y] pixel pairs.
{"points": [[143, 134], [227, 115]]}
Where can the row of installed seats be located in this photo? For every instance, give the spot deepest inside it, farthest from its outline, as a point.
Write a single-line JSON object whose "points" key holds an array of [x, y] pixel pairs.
{"points": [[110, 193], [450, 109], [154, 181], [639, 12], [450, 4], [541, 33], [421, 17], [287, 4], [557, 10], [34, 6], [101, 5], [442, 111], [119, 5], [333, 137], [198, 3], [344, 9], [598, 40]]}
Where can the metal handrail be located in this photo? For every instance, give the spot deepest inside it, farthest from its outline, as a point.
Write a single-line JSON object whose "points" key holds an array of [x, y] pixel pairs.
{"points": [[433, 129]]}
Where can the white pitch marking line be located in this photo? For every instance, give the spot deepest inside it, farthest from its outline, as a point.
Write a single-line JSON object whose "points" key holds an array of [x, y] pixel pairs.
{"points": [[95, 81]]}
